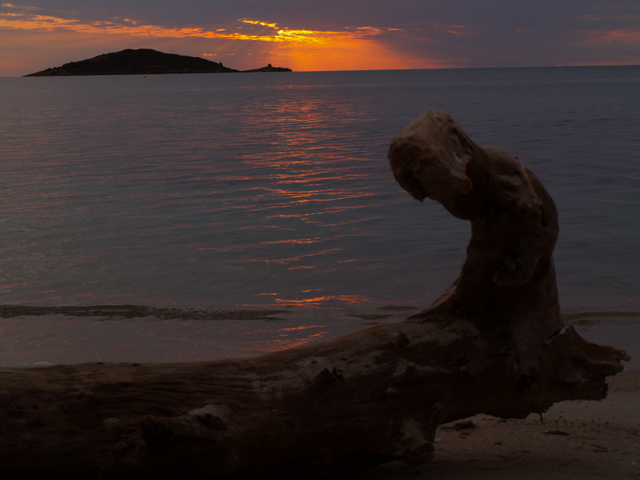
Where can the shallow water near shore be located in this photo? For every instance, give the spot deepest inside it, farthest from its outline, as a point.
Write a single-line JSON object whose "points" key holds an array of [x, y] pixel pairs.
{"points": [[272, 192], [40, 340]]}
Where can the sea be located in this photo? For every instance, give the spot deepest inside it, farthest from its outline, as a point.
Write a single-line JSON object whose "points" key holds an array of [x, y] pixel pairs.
{"points": [[204, 216]]}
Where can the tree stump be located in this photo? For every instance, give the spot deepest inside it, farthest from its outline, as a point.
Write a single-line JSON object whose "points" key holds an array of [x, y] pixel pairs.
{"points": [[493, 343]]}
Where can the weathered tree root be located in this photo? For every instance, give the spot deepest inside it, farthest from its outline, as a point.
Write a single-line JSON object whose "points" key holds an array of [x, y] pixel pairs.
{"points": [[493, 343]]}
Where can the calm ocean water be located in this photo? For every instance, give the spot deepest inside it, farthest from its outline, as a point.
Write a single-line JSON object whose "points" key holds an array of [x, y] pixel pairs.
{"points": [[213, 191]]}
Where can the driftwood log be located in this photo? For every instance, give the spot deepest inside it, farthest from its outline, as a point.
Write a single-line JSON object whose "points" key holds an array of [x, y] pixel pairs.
{"points": [[493, 343]]}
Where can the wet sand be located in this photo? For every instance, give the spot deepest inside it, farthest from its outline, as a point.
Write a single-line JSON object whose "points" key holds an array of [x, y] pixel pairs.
{"points": [[579, 440]]}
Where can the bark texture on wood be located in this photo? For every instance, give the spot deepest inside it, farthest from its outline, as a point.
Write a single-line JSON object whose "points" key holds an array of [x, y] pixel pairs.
{"points": [[493, 343]]}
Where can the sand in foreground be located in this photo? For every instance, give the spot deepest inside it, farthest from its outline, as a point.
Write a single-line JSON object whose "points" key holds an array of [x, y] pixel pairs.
{"points": [[579, 440]]}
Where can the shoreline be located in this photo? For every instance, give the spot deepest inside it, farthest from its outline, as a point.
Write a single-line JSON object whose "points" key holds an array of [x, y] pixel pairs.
{"points": [[578, 439], [38, 335]]}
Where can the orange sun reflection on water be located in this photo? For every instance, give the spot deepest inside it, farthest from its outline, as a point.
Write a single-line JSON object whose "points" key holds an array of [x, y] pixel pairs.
{"points": [[316, 301], [284, 344], [319, 301]]}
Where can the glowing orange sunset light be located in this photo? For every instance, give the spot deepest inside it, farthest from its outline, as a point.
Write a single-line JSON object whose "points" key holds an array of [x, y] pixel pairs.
{"points": [[348, 54]]}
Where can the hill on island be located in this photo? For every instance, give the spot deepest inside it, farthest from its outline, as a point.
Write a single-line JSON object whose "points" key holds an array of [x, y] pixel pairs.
{"points": [[143, 61]]}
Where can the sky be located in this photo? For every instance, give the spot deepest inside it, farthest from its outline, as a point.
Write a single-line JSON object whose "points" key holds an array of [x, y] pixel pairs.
{"points": [[316, 35]]}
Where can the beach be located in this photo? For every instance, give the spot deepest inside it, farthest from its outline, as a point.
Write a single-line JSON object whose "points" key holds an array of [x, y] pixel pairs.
{"points": [[574, 440]]}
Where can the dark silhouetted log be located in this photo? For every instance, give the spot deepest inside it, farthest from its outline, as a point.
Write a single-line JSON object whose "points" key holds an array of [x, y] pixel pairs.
{"points": [[493, 343]]}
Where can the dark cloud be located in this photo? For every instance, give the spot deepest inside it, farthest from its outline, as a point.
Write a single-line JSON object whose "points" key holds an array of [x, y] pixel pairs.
{"points": [[332, 13]]}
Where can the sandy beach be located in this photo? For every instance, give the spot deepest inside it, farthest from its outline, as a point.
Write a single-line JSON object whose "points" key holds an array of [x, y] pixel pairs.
{"points": [[575, 440]]}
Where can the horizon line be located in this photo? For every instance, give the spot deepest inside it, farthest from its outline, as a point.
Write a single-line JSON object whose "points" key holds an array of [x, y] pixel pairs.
{"points": [[578, 65]]}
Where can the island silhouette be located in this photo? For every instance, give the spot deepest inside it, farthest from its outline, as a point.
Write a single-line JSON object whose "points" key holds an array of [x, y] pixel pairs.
{"points": [[143, 61]]}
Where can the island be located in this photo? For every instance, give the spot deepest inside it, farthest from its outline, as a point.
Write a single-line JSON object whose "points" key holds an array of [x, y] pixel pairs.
{"points": [[268, 68], [143, 61]]}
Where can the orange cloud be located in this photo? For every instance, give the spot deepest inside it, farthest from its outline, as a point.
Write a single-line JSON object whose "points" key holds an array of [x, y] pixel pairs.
{"points": [[598, 38], [44, 23], [257, 22]]}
